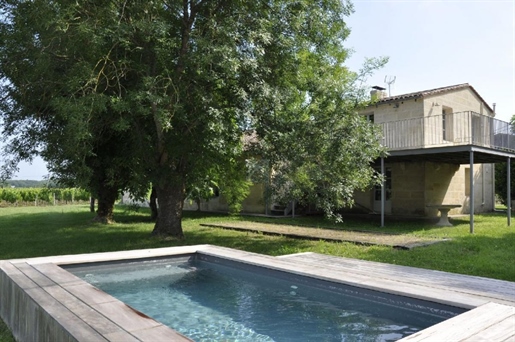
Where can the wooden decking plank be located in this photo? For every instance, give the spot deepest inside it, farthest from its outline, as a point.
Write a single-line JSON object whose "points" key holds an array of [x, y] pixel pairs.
{"points": [[83, 311], [502, 331], [57, 274], [36, 276], [491, 288], [465, 326]]}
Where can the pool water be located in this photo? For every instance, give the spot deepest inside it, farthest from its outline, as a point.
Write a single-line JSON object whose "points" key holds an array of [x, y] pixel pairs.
{"points": [[212, 300]]}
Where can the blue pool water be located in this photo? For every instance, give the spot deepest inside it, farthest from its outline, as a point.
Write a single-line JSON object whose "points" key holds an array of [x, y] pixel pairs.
{"points": [[217, 300]]}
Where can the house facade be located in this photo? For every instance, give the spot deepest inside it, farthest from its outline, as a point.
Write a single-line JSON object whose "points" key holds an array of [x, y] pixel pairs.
{"points": [[426, 133], [442, 145]]}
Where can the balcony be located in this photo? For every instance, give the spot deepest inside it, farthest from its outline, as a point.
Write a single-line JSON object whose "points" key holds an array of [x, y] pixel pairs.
{"points": [[448, 130]]}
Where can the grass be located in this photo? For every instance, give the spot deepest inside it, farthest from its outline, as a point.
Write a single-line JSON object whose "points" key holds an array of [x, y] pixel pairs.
{"points": [[43, 231]]}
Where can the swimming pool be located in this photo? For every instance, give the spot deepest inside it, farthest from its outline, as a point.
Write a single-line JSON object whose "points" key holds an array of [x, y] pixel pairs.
{"points": [[213, 299], [40, 300]]}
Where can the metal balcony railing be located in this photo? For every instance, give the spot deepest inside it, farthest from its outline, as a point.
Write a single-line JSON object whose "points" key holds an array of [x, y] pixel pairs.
{"points": [[454, 129]]}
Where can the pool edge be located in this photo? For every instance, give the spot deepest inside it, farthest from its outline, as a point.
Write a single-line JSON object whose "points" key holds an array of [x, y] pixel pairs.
{"points": [[39, 287]]}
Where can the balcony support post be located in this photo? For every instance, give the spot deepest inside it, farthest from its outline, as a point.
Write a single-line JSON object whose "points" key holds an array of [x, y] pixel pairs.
{"points": [[508, 190], [383, 197], [471, 198]]}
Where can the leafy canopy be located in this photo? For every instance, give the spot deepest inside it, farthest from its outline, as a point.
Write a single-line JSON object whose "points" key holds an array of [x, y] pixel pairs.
{"points": [[121, 93]]}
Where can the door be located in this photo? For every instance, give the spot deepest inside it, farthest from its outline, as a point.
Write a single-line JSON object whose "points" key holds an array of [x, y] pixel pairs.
{"points": [[388, 194]]}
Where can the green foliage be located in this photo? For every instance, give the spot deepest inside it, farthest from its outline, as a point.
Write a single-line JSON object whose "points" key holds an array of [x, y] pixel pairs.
{"points": [[235, 187], [21, 196], [165, 90], [52, 104], [324, 150], [501, 185], [5, 333], [202, 191], [501, 173], [10, 195]]}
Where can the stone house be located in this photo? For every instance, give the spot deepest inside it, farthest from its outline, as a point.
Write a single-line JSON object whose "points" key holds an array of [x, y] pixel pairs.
{"points": [[443, 144]]}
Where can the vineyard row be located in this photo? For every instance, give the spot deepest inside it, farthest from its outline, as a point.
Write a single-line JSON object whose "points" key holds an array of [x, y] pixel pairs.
{"points": [[42, 195]]}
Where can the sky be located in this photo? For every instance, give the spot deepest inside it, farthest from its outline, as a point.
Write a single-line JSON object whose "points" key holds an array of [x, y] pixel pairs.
{"points": [[430, 44]]}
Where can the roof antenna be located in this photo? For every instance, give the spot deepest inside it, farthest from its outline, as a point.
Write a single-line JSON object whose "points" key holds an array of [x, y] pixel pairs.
{"points": [[389, 80]]}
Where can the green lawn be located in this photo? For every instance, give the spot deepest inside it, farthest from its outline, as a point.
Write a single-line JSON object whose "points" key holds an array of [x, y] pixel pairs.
{"points": [[43, 231]]}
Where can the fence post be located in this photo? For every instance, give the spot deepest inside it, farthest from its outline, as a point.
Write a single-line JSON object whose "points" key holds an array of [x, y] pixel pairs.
{"points": [[54, 197], [36, 201]]}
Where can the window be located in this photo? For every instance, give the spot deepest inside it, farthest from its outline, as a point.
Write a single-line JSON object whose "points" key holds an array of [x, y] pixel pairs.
{"points": [[447, 124], [369, 117]]}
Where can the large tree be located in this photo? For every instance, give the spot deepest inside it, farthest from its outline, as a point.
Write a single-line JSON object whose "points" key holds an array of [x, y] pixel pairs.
{"points": [[187, 78], [49, 107]]}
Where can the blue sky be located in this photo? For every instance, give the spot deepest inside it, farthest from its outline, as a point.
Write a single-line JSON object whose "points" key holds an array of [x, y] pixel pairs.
{"points": [[430, 44], [434, 44]]}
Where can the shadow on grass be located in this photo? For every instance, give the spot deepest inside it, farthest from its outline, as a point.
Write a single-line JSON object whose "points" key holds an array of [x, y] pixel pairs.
{"points": [[58, 231], [29, 232]]}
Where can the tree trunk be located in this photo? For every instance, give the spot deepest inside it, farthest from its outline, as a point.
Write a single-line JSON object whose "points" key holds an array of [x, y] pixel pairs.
{"points": [[92, 204], [153, 204], [169, 218], [106, 198]]}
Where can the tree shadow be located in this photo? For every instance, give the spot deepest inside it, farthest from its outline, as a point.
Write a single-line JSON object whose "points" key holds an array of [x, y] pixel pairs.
{"points": [[45, 233]]}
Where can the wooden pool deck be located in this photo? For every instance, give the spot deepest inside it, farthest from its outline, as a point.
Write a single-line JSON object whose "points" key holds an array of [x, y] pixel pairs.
{"points": [[492, 321], [37, 297]]}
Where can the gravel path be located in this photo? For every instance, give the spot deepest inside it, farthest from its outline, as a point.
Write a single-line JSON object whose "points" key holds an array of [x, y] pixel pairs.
{"points": [[358, 237]]}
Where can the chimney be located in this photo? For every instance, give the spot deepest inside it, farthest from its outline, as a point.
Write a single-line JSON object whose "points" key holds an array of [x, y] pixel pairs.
{"points": [[377, 93], [493, 107]]}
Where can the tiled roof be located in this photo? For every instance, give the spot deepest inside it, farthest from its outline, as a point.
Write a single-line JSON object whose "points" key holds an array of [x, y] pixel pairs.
{"points": [[434, 91]]}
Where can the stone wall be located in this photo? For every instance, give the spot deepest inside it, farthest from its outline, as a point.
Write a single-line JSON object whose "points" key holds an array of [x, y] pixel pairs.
{"points": [[417, 185], [395, 111], [460, 100], [408, 188], [450, 184], [443, 185]]}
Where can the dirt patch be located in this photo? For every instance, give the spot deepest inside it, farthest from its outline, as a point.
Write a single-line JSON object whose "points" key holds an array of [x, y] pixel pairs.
{"points": [[311, 233]]}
